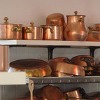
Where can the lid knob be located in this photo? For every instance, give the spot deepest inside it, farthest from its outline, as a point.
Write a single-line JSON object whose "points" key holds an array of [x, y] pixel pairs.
{"points": [[6, 20], [32, 24], [76, 12]]}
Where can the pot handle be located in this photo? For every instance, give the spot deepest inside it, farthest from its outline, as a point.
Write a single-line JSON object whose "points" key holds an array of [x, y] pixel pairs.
{"points": [[16, 28]]}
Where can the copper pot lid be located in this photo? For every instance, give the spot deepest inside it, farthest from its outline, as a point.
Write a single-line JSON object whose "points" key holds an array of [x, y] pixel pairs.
{"points": [[76, 14]]}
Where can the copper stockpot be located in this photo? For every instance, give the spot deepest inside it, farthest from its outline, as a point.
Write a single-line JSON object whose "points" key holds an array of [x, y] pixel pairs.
{"points": [[75, 28], [10, 31], [52, 32], [33, 32], [56, 19]]}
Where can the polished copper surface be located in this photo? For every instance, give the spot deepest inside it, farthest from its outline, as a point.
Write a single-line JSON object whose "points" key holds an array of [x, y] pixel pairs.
{"points": [[55, 19], [52, 32], [94, 33], [75, 28], [32, 33], [10, 31]]}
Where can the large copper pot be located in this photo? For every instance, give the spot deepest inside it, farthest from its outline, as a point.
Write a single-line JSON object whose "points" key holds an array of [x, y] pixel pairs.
{"points": [[56, 19], [75, 29], [52, 32], [10, 31]]}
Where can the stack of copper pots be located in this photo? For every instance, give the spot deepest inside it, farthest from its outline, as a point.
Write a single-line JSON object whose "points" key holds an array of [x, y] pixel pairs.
{"points": [[54, 28], [10, 31]]}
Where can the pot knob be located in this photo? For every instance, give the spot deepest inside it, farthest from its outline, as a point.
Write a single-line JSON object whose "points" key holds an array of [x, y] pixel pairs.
{"points": [[6, 20], [76, 12]]}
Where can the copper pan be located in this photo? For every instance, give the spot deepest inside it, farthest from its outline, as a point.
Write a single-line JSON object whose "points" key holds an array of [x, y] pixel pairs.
{"points": [[62, 74], [83, 60], [69, 69]]}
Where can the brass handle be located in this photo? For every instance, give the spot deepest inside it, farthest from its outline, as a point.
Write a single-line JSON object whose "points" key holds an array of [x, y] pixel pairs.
{"points": [[6, 20], [51, 30], [81, 20], [28, 30], [16, 29], [32, 24]]}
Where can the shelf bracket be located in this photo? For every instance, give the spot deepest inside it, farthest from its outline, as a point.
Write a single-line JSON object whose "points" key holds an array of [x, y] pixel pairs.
{"points": [[92, 50], [50, 52]]}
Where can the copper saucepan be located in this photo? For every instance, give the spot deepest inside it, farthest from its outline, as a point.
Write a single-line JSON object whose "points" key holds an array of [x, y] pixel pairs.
{"points": [[10, 31], [52, 32], [32, 32]]}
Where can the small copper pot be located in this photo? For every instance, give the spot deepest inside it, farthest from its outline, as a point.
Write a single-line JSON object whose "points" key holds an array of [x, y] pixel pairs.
{"points": [[32, 33], [94, 33], [10, 31], [52, 32]]}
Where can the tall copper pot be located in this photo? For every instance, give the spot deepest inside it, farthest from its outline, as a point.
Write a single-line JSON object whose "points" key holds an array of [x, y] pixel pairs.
{"points": [[75, 28]]}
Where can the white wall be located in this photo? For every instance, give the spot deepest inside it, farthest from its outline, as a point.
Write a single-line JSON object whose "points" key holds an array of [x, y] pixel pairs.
{"points": [[24, 11]]}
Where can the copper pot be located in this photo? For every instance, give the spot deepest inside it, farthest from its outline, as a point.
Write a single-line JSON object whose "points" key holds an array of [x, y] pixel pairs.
{"points": [[75, 29], [50, 92], [32, 32], [10, 31], [52, 32], [94, 33], [32, 67], [69, 69], [55, 19], [86, 61]]}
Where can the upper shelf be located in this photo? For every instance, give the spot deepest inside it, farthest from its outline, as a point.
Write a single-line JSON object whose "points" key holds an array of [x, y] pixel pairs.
{"points": [[48, 43]]}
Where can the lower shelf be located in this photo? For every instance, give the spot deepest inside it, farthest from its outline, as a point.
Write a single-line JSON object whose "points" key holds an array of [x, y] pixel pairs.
{"points": [[58, 80]]}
